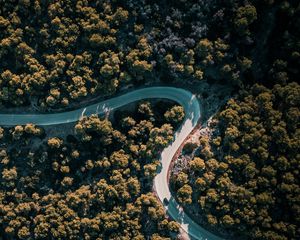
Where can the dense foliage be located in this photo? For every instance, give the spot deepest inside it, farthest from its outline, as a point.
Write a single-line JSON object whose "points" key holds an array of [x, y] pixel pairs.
{"points": [[94, 184], [245, 178], [56, 52]]}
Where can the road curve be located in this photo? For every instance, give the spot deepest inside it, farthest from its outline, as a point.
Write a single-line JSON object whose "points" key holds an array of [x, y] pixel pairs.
{"points": [[192, 116]]}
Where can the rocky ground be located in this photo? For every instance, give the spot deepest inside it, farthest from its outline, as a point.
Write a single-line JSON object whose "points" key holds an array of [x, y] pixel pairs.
{"points": [[211, 98]]}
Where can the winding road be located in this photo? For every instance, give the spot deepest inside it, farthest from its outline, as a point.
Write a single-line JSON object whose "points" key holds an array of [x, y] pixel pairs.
{"points": [[161, 186]]}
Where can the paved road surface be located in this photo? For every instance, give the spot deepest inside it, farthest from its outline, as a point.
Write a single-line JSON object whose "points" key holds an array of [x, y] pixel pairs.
{"points": [[192, 115]]}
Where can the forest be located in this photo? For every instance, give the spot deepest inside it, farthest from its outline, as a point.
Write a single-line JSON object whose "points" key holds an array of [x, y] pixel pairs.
{"points": [[94, 181], [245, 176], [55, 53], [102, 193]]}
